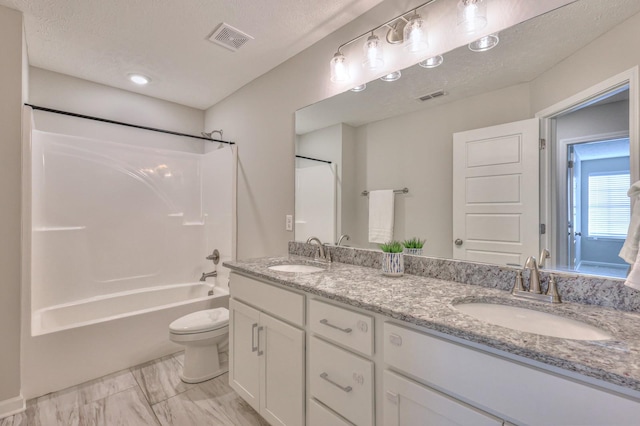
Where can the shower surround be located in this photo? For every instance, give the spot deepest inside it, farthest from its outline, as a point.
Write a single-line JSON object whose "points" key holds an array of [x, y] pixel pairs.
{"points": [[119, 236]]}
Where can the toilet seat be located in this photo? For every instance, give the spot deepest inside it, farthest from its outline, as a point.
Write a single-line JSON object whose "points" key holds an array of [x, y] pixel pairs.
{"points": [[200, 322]]}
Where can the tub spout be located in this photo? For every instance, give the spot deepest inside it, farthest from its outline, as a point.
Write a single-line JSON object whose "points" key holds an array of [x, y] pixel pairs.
{"points": [[206, 275]]}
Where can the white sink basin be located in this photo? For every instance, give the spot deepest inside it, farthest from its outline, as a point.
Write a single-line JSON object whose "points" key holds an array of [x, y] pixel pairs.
{"points": [[297, 268], [531, 321]]}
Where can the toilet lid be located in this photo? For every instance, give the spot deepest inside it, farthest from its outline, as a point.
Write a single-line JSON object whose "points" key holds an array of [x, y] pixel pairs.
{"points": [[200, 321]]}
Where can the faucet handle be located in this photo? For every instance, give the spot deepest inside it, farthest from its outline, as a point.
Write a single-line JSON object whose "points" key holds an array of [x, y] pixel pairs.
{"points": [[518, 285], [552, 290]]}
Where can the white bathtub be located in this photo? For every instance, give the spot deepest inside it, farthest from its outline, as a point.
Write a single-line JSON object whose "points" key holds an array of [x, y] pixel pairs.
{"points": [[110, 307], [75, 342]]}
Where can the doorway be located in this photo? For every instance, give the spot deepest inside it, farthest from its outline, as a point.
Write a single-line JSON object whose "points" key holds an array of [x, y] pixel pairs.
{"points": [[591, 158]]}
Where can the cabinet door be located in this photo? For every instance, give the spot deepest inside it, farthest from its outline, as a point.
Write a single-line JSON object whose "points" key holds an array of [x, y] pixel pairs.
{"points": [[244, 364], [407, 403], [282, 375]]}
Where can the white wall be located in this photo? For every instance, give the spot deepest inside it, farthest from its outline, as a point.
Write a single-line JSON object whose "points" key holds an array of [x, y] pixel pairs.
{"points": [[260, 116], [11, 92]]}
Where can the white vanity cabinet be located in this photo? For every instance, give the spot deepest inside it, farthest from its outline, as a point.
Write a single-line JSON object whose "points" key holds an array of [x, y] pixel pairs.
{"points": [[267, 354]]}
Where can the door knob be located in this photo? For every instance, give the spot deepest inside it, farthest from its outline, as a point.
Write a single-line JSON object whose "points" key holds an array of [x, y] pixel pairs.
{"points": [[458, 242]]}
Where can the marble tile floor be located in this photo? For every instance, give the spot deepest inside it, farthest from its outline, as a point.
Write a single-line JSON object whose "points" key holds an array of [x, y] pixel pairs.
{"points": [[148, 394]]}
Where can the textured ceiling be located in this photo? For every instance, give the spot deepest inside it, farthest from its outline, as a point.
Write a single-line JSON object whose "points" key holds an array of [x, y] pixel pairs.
{"points": [[104, 40], [525, 51]]}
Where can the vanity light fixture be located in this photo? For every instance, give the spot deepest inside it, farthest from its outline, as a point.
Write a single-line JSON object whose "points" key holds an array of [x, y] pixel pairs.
{"points": [[472, 15], [359, 88], [485, 43], [339, 68], [392, 76], [373, 59], [409, 30], [415, 34], [139, 79], [432, 62]]}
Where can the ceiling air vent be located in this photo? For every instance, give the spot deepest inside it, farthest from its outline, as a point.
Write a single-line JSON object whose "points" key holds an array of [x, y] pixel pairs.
{"points": [[432, 95], [231, 38]]}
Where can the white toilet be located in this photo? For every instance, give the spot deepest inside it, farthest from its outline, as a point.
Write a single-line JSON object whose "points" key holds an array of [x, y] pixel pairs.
{"points": [[204, 335]]}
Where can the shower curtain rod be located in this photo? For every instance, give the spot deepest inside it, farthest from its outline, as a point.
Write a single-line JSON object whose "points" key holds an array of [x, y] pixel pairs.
{"points": [[104, 120], [313, 159]]}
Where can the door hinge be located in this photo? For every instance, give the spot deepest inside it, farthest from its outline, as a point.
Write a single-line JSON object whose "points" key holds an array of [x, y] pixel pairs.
{"points": [[543, 229], [543, 144], [570, 164]]}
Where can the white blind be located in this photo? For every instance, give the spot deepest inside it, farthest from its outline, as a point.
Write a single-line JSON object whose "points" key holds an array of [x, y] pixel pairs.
{"points": [[609, 207]]}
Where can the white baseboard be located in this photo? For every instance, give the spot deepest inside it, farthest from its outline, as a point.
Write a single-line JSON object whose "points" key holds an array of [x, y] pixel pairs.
{"points": [[12, 406]]}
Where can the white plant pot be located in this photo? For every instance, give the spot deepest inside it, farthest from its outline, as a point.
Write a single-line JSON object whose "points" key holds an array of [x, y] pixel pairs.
{"points": [[393, 264]]}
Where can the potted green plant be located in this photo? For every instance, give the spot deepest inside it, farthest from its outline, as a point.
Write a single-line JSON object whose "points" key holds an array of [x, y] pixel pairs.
{"points": [[392, 259], [414, 246]]}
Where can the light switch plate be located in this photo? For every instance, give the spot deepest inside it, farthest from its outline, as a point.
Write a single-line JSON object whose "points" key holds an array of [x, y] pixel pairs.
{"points": [[289, 222]]}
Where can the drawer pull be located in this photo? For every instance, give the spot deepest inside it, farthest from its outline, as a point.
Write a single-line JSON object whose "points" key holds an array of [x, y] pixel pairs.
{"points": [[342, 388], [394, 339], [254, 347], [326, 322]]}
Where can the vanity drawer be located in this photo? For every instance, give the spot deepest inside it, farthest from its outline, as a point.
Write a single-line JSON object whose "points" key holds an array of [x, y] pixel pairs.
{"points": [[319, 415], [348, 328], [281, 303], [342, 381]]}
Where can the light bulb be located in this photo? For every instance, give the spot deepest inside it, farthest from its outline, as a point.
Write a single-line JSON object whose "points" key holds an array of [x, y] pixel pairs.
{"points": [[432, 62], [339, 68], [373, 59], [485, 43], [359, 88], [415, 34], [472, 15]]}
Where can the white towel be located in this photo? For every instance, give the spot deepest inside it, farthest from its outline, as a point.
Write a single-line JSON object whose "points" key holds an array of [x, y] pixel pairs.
{"points": [[629, 250], [633, 279], [381, 216]]}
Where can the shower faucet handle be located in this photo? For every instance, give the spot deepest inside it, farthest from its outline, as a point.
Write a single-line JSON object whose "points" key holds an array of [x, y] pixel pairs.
{"points": [[215, 256]]}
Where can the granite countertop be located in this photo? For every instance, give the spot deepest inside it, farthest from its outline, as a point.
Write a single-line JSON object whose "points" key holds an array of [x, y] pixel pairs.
{"points": [[429, 303]]}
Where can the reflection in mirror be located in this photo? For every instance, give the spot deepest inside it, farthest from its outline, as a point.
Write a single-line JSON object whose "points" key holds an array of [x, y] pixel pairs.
{"points": [[394, 135]]}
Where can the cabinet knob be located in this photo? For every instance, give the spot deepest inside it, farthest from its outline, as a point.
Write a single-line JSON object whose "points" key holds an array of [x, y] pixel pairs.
{"points": [[458, 242], [396, 340]]}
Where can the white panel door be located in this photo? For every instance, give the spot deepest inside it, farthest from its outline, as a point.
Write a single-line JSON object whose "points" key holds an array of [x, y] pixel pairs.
{"points": [[282, 378], [407, 403], [244, 364], [495, 193]]}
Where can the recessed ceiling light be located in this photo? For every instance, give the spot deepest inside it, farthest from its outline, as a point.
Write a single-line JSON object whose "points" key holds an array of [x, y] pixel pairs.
{"points": [[139, 79], [359, 88]]}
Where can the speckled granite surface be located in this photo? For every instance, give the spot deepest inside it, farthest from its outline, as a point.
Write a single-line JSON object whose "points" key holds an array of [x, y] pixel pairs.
{"points": [[592, 290], [430, 303]]}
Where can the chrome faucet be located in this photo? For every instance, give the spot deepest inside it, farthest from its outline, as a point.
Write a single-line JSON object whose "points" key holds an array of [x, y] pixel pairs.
{"points": [[206, 275], [534, 291], [323, 255], [342, 237]]}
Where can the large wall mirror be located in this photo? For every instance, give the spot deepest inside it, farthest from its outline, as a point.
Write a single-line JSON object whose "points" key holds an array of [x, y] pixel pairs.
{"points": [[464, 139]]}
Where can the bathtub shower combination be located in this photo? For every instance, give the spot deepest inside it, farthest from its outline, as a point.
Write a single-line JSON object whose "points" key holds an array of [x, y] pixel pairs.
{"points": [[119, 238]]}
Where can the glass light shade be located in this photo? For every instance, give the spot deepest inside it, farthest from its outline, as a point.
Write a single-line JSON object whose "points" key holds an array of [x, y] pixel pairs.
{"points": [[339, 68], [393, 76], [485, 43], [432, 62], [359, 88], [373, 59], [472, 15], [415, 35]]}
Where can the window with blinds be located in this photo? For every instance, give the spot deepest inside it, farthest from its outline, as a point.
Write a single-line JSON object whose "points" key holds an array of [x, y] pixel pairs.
{"points": [[609, 206]]}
